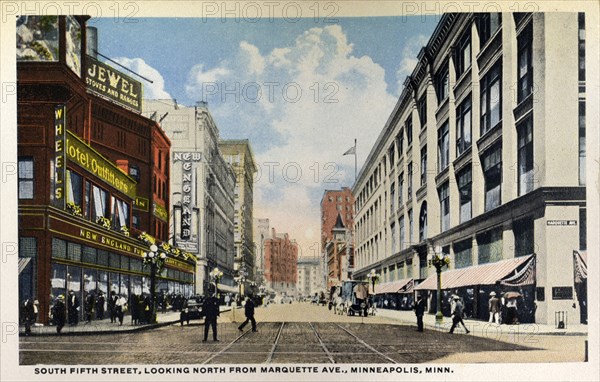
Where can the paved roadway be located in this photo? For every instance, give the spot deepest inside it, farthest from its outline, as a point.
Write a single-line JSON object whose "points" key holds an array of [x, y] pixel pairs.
{"points": [[295, 333]]}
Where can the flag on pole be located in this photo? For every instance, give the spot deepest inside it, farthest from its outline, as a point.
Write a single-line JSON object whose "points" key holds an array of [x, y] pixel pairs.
{"points": [[351, 151]]}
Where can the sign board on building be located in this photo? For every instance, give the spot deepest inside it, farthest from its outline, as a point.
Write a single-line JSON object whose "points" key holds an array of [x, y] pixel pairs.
{"points": [[562, 293], [141, 203], [561, 222], [60, 166], [112, 84], [187, 190], [160, 212], [93, 162]]}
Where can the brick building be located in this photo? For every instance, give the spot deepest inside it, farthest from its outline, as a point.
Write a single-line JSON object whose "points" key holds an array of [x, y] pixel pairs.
{"points": [[281, 262], [92, 173]]}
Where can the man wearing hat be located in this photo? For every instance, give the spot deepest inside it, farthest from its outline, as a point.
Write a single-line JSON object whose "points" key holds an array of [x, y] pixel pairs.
{"points": [[457, 312], [494, 308], [420, 311], [58, 313]]}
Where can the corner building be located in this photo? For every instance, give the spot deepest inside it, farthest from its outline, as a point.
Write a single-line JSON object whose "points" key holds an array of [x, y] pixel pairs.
{"points": [[483, 157], [92, 173]]}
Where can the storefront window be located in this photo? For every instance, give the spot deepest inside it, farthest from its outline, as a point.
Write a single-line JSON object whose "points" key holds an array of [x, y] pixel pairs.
{"points": [[114, 282], [58, 282], [37, 38], [103, 282], [125, 286], [74, 189], [59, 248], [146, 285], [99, 203], [136, 285], [27, 267], [120, 214]]}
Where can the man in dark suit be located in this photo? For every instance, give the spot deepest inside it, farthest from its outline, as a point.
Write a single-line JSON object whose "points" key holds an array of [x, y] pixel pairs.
{"points": [[73, 308], [58, 313], [210, 308], [249, 312], [419, 312]]}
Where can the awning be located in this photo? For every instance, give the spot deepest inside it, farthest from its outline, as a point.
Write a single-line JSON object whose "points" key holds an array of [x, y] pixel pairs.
{"points": [[580, 266], [23, 261], [486, 274], [228, 288], [401, 286]]}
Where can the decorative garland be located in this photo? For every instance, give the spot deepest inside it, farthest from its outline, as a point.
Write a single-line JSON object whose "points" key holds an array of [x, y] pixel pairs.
{"points": [[74, 209], [104, 222]]}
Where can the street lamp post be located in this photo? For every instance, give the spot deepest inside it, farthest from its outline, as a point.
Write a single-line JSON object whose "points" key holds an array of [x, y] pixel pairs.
{"points": [[439, 260], [216, 275], [373, 277], [156, 261]]}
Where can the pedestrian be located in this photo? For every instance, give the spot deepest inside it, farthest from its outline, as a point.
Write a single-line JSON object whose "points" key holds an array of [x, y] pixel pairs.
{"points": [[29, 315], [494, 308], [147, 305], [135, 309], [210, 307], [112, 310], [100, 306], [457, 312], [58, 313], [419, 312], [73, 308], [120, 308], [90, 301], [249, 313]]}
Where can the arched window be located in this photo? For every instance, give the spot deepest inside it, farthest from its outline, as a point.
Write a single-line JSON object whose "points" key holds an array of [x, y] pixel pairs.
{"points": [[423, 222]]}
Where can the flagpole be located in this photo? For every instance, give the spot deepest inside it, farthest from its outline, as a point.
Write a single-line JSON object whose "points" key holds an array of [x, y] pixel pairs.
{"points": [[354, 160]]}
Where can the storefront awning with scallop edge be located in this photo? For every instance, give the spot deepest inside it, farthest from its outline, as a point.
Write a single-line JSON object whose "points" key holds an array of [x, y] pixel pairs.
{"points": [[485, 274]]}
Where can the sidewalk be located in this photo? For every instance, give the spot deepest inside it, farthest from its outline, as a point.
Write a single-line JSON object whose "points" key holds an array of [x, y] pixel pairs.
{"points": [[106, 327], [482, 328]]}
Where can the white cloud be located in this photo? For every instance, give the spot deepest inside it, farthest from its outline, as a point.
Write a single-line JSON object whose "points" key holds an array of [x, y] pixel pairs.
{"points": [[316, 97], [154, 90], [409, 59]]}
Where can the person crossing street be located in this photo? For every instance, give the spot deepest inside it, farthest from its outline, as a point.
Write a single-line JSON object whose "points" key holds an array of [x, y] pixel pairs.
{"points": [[249, 312]]}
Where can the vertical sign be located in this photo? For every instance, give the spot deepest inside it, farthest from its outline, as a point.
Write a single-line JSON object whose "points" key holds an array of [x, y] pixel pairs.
{"points": [[187, 189], [60, 166]]}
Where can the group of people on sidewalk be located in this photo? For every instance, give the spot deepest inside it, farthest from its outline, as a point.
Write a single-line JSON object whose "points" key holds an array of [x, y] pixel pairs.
{"points": [[456, 309]]}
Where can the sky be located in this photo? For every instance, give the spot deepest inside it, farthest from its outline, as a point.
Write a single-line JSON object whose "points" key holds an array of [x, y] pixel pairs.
{"points": [[301, 92]]}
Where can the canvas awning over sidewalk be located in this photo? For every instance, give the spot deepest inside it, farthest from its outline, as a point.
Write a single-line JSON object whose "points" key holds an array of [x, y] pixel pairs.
{"points": [[401, 286], [517, 271]]}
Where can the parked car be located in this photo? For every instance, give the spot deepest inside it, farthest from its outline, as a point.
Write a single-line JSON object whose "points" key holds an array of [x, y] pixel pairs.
{"points": [[286, 300], [192, 309]]}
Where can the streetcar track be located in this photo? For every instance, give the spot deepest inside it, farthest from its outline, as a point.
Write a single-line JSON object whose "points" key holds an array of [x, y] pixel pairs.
{"points": [[322, 344], [366, 344], [225, 348], [270, 357]]}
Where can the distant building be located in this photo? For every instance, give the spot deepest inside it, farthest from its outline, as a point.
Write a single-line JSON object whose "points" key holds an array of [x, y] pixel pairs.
{"points": [[261, 232], [309, 276], [281, 262], [202, 185], [339, 252], [238, 154], [334, 204]]}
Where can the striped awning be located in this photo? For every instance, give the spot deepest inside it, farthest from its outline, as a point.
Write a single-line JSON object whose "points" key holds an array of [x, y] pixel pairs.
{"points": [[580, 266], [23, 261], [401, 286], [486, 274]]}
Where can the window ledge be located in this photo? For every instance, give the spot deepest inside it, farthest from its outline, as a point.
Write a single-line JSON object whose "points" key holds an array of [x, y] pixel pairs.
{"points": [[463, 159], [490, 137], [442, 176]]}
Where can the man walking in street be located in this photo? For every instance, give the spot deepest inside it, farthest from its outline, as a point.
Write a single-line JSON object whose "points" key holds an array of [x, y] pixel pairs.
{"points": [[58, 313], [210, 307], [249, 312], [112, 306], [494, 308], [419, 312], [457, 312]]}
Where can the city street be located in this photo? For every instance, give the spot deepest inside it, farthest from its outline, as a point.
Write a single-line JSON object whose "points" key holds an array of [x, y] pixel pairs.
{"points": [[300, 333]]}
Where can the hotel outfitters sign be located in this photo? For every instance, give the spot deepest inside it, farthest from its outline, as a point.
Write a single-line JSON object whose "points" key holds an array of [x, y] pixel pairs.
{"points": [[112, 84], [90, 160], [187, 189]]}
